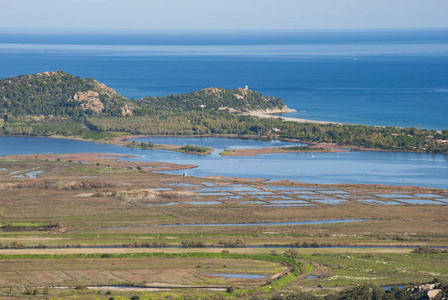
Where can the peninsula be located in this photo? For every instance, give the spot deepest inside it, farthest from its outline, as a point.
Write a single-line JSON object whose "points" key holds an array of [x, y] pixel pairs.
{"points": [[60, 104]]}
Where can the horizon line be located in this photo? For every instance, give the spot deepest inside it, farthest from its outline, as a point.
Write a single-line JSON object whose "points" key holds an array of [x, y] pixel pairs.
{"points": [[86, 31]]}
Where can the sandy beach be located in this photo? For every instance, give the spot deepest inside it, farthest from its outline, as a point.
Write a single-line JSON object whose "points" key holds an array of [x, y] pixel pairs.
{"points": [[263, 115]]}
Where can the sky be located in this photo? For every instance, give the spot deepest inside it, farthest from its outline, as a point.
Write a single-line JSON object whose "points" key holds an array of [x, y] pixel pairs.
{"points": [[195, 15]]}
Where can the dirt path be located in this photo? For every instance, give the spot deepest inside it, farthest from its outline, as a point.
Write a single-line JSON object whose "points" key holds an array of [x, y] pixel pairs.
{"points": [[199, 250]]}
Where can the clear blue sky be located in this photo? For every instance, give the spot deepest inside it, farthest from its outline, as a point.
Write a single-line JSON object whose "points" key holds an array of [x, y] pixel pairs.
{"points": [[153, 15]]}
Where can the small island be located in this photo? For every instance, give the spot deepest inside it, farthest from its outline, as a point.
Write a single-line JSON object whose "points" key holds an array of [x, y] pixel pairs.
{"points": [[274, 150]]}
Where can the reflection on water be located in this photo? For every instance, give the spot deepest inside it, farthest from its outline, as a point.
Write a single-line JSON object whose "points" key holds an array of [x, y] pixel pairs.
{"points": [[417, 201], [202, 202], [170, 203], [427, 195], [366, 167], [389, 287], [329, 201], [182, 184], [287, 201]]}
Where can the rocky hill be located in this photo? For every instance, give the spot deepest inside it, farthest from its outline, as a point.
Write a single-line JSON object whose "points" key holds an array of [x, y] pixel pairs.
{"points": [[59, 94], [216, 99]]}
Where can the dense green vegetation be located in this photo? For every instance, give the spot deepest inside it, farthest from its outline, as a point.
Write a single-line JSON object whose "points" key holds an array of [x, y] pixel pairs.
{"points": [[304, 148], [264, 257], [211, 99], [142, 145], [194, 148], [58, 103], [57, 94], [211, 123]]}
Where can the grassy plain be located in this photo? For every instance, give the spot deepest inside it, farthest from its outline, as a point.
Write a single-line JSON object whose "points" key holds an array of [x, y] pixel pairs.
{"points": [[90, 200]]}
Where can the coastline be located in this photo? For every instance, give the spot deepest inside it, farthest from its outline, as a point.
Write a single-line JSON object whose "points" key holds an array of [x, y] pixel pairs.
{"points": [[278, 150], [124, 141], [268, 115], [102, 160]]}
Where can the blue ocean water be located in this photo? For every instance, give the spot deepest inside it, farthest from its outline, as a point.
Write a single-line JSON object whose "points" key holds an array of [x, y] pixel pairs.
{"points": [[393, 78]]}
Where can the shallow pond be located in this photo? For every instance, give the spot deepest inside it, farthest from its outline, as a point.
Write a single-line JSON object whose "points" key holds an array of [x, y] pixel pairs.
{"points": [[419, 201], [394, 196], [214, 194], [427, 195], [231, 197], [246, 224], [291, 188], [289, 205], [288, 201], [389, 287], [329, 201], [183, 184], [228, 188], [202, 202], [163, 204], [269, 223]]}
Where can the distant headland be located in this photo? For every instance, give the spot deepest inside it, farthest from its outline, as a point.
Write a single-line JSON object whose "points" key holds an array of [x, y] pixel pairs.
{"points": [[60, 104]]}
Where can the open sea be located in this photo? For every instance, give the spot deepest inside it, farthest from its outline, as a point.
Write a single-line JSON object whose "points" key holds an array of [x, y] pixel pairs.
{"points": [[388, 78]]}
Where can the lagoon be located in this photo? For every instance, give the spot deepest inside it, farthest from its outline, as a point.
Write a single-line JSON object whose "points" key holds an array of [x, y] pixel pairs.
{"points": [[359, 167]]}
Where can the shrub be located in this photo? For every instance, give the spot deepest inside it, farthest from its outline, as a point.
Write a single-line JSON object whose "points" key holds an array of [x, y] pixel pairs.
{"points": [[193, 148], [427, 250], [292, 253]]}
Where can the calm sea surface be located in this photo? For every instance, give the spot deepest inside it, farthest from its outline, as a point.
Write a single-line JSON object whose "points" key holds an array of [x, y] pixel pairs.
{"points": [[376, 78], [372, 167]]}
